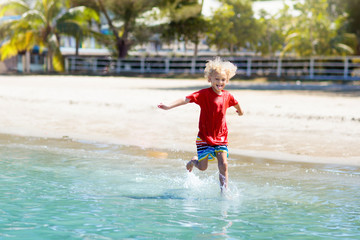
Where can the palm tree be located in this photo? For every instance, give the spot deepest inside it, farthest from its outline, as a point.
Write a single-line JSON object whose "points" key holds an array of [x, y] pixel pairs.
{"points": [[273, 29], [221, 32], [121, 17], [77, 23], [186, 21], [41, 25], [314, 33]]}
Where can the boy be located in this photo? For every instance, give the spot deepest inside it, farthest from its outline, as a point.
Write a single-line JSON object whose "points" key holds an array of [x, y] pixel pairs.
{"points": [[212, 137]]}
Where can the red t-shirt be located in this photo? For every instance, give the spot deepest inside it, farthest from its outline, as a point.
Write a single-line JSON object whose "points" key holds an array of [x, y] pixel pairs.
{"points": [[212, 122]]}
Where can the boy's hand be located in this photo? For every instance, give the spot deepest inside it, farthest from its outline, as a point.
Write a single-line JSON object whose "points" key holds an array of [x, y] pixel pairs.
{"points": [[163, 106], [239, 111]]}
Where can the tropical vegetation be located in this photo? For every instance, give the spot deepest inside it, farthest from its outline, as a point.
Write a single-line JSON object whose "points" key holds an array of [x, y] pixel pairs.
{"points": [[318, 27], [42, 23]]}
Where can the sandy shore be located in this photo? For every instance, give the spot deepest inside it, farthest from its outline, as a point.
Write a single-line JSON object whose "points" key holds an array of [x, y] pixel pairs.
{"points": [[313, 123]]}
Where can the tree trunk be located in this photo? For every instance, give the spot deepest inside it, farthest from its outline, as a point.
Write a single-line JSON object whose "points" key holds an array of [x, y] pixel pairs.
{"points": [[122, 48], [23, 60], [313, 52], [196, 49], [232, 49], [357, 52], [77, 46], [27, 61], [121, 43], [48, 62]]}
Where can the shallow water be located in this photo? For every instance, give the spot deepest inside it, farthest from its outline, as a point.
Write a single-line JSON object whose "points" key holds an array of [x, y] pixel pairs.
{"points": [[60, 189]]}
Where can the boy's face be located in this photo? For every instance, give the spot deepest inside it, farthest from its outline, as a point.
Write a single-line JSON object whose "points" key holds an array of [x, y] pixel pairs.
{"points": [[218, 81]]}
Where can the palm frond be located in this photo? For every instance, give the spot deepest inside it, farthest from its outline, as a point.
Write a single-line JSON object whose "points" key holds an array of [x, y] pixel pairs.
{"points": [[7, 50], [34, 16], [54, 7], [6, 29], [288, 47], [345, 48], [18, 6], [292, 36], [83, 13]]}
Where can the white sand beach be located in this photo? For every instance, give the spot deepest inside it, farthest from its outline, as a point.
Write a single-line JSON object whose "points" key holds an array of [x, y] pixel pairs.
{"points": [[312, 123]]}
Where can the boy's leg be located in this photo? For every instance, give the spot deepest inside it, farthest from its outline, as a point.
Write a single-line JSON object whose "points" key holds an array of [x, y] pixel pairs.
{"points": [[201, 165], [202, 151], [223, 169]]}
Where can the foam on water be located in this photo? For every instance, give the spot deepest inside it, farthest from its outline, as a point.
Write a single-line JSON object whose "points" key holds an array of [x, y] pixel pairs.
{"points": [[59, 189]]}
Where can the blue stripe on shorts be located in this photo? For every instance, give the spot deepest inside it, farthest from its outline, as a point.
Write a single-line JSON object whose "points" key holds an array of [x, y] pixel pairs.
{"points": [[206, 151]]}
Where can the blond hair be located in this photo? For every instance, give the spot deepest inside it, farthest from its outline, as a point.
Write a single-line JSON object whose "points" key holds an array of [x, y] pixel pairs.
{"points": [[217, 66]]}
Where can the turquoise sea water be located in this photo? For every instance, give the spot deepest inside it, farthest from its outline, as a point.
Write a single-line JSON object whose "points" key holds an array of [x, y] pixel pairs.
{"points": [[60, 189]]}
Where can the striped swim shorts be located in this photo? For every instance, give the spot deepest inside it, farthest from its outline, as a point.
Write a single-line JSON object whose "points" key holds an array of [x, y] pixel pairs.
{"points": [[204, 150]]}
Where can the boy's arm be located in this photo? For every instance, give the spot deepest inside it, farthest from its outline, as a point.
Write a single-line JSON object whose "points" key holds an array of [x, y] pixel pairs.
{"points": [[239, 110], [179, 102]]}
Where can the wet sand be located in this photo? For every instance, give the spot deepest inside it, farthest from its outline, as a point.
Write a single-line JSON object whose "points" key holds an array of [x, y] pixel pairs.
{"points": [[313, 123]]}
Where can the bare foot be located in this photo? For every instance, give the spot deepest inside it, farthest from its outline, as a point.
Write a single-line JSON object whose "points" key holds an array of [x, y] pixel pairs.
{"points": [[191, 163]]}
